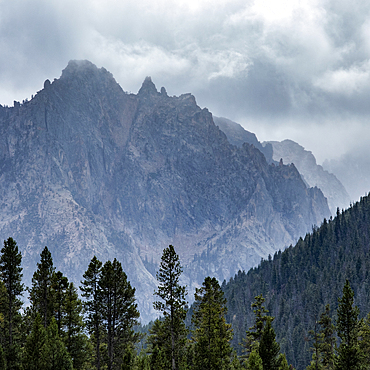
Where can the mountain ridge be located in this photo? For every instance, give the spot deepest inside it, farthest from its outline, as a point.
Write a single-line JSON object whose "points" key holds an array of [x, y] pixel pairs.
{"points": [[89, 169]]}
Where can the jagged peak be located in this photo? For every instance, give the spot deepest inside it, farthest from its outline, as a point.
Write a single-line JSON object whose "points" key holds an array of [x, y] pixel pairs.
{"points": [[148, 87], [83, 68]]}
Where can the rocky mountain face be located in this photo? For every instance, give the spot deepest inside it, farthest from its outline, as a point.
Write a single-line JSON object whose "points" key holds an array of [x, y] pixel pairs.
{"points": [[312, 173], [88, 169], [237, 135], [291, 152]]}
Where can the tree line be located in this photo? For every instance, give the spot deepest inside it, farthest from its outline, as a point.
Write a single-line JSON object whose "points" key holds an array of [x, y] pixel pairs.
{"points": [[61, 331], [300, 281]]}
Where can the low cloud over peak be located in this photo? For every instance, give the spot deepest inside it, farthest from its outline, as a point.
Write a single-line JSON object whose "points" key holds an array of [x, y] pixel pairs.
{"points": [[283, 67]]}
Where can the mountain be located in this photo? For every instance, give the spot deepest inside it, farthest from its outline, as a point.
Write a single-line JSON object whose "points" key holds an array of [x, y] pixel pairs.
{"points": [[291, 152], [237, 135], [298, 282], [312, 173], [88, 169]]}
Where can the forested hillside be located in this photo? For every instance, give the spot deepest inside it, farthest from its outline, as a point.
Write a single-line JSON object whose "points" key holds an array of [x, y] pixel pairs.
{"points": [[300, 281]]}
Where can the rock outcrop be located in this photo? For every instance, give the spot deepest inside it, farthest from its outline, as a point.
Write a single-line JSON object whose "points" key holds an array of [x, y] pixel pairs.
{"points": [[88, 169]]}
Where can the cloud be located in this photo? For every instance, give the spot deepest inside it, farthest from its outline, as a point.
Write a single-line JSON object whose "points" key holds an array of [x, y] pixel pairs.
{"points": [[282, 64], [352, 80]]}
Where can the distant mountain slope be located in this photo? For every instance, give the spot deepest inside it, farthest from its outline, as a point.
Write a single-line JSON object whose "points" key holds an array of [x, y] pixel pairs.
{"points": [[300, 281], [86, 168], [291, 152], [312, 173]]}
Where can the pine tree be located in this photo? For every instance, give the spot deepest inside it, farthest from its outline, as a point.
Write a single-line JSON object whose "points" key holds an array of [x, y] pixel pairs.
{"points": [[317, 338], [11, 274], [172, 305], [75, 340], [254, 361], [328, 340], [348, 357], [41, 296], [158, 360], [254, 333], [283, 363], [2, 359], [157, 344], [129, 358], [54, 355], [269, 348], [59, 284], [212, 334], [92, 304], [35, 345], [119, 311], [143, 362], [364, 334]]}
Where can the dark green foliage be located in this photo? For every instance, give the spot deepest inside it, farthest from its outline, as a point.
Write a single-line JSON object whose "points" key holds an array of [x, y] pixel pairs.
{"points": [[41, 296], [327, 344], [158, 360], [129, 358], [172, 306], [2, 359], [92, 305], [364, 335], [59, 284], [269, 349], [75, 340], [119, 311], [54, 354], [254, 361], [254, 333], [283, 363], [348, 357], [159, 345], [299, 282], [143, 362], [33, 349], [11, 275], [212, 335]]}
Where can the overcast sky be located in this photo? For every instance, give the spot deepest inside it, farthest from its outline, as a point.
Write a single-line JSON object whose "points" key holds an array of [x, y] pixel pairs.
{"points": [[297, 69]]}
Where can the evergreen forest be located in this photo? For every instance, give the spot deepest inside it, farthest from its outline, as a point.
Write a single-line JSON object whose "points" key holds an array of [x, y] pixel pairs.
{"points": [[304, 308]]}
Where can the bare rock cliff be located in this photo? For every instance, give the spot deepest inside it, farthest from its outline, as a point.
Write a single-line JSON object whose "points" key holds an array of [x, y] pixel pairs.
{"points": [[88, 169]]}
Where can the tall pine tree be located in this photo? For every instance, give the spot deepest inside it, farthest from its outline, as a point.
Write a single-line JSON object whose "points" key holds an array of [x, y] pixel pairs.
{"points": [[54, 355], [268, 348], [75, 340], [172, 305], [348, 356], [59, 284], [92, 304], [212, 334], [327, 330], [36, 343], [41, 295], [11, 274], [119, 311], [254, 333]]}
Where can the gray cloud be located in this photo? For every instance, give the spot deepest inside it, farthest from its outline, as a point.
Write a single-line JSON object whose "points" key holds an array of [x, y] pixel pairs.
{"points": [[299, 69]]}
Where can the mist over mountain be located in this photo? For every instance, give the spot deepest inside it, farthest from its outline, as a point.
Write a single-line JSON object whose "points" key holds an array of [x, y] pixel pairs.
{"points": [[237, 135], [312, 173], [353, 170], [88, 169], [291, 152]]}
